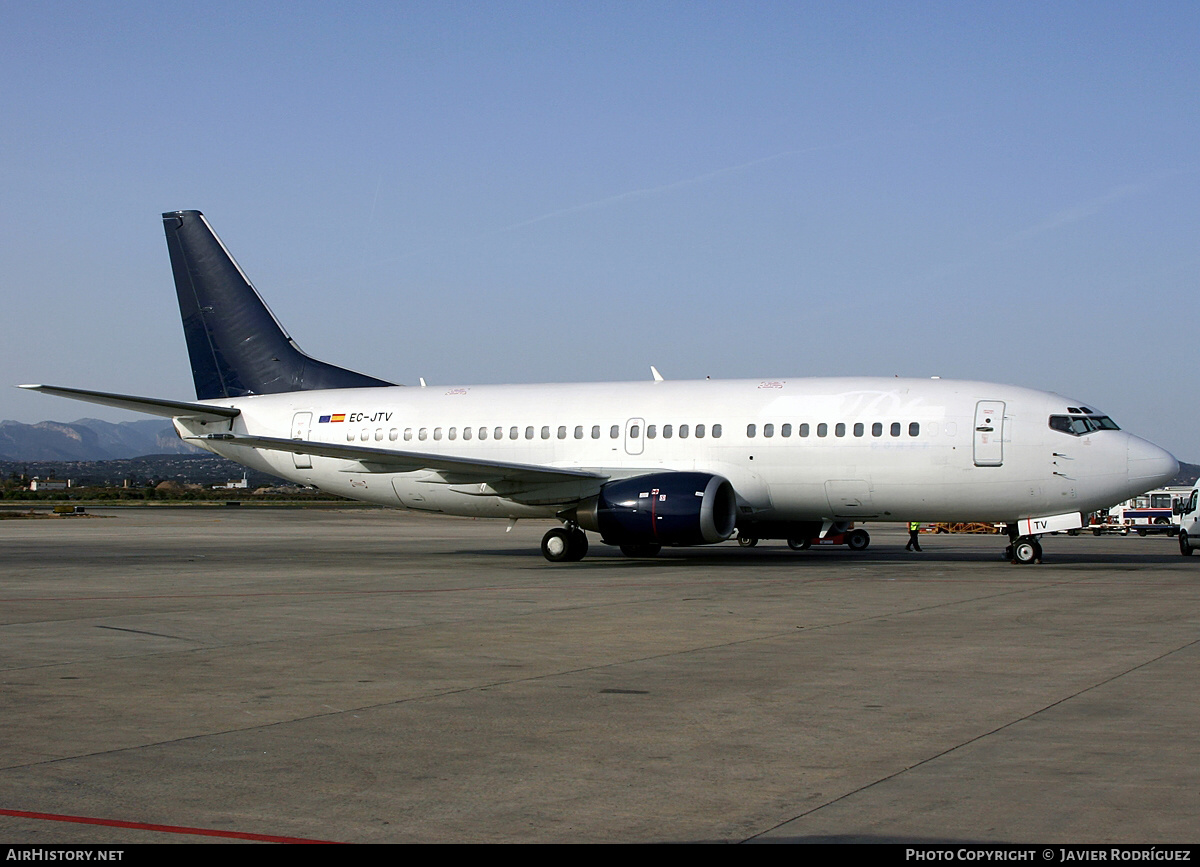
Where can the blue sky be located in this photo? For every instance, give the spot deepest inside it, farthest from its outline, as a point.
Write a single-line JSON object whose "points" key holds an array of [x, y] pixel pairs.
{"points": [[525, 192]]}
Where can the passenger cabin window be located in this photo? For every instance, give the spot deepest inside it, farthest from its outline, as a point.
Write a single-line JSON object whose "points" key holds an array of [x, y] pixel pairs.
{"points": [[785, 430], [498, 433], [914, 429], [529, 432], [614, 431], [822, 429], [668, 431], [562, 432], [595, 431], [840, 429], [699, 431], [635, 431], [651, 431], [858, 429], [578, 431], [804, 429], [545, 432], [877, 429], [750, 430], [407, 434], [895, 428], [716, 431], [423, 433], [768, 430], [393, 434], [467, 433], [514, 432], [683, 431], [437, 433]]}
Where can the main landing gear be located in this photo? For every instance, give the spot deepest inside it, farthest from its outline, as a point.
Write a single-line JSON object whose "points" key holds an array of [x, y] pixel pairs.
{"points": [[564, 545], [803, 538], [569, 545], [1022, 550]]}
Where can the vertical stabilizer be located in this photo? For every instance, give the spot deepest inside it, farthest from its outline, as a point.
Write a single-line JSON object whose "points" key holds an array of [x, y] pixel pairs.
{"points": [[236, 345]]}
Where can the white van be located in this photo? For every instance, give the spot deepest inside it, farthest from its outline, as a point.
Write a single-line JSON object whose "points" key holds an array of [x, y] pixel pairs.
{"points": [[1186, 511]]}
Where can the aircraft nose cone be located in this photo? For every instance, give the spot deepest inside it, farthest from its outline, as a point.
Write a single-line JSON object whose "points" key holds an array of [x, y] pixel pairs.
{"points": [[1149, 466]]}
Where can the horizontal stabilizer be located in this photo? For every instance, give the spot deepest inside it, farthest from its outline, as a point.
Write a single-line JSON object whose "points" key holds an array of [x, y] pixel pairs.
{"points": [[150, 405], [399, 462]]}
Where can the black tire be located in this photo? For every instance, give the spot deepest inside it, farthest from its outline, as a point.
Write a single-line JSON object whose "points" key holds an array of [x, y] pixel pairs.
{"points": [[1097, 532], [747, 541], [556, 545], [798, 544], [578, 546], [858, 540], [1184, 547], [1141, 532], [1026, 550]]}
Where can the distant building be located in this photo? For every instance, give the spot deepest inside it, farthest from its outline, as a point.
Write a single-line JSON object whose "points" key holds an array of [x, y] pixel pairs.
{"points": [[233, 483], [36, 484]]}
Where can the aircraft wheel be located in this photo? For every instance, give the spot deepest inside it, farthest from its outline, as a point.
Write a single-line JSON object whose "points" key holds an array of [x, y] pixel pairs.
{"points": [[578, 545], [797, 544], [1184, 547], [1026, 550], [747, 541], [556, 545], [650, 550], [858, 540]]}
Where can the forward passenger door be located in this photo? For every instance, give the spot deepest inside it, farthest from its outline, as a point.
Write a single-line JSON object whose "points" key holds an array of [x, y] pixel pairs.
{"points": [[989, 433]]}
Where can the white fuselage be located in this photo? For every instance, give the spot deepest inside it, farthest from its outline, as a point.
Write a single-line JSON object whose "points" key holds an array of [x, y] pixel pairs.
{"points": [[794, 450]]}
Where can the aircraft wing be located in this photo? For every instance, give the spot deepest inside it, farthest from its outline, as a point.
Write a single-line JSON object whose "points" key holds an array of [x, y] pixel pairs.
{"points": [[392, 461], [149, 405]]}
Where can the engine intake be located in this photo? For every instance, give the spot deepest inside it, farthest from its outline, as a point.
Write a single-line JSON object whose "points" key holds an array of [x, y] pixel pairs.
{"points": [[662, 509]]}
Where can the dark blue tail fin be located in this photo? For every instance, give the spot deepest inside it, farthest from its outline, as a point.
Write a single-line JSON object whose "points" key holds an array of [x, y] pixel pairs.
{"points": [[236, 345]]}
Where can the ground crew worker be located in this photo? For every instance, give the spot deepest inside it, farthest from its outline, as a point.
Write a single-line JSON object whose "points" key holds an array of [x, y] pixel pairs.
{"points": [[914, 543]]}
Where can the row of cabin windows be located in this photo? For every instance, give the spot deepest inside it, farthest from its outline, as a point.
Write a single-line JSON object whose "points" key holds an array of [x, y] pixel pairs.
{"points": [[839, 430], [530, 432], [667, 431]]}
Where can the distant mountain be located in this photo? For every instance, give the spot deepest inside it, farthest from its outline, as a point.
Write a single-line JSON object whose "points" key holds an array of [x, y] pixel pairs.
{"points": [[89, 439], [1188, 473]]}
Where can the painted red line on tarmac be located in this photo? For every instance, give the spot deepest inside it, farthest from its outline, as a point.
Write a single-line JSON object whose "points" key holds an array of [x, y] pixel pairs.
{"points": [[167, 829]]}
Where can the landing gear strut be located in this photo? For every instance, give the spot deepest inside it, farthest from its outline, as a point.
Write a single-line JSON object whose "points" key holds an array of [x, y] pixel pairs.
{"points": [[564, 545]]}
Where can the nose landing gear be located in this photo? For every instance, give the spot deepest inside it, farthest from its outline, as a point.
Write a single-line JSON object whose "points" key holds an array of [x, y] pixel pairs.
{"points": [[1022, 550]]}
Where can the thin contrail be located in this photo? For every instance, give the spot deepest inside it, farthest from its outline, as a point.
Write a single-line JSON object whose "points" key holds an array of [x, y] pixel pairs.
{"points": [[653, 191]]}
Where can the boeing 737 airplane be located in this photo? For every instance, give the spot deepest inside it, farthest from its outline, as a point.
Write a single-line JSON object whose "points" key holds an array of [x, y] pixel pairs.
{"points": [[642, 464]]}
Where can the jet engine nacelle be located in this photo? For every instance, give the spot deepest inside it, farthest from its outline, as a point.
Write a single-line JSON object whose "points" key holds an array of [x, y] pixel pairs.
{"points": [[662, 509]]}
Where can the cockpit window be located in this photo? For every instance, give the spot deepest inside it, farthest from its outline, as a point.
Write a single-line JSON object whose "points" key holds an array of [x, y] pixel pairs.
{"points": [[1078, 425]]}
